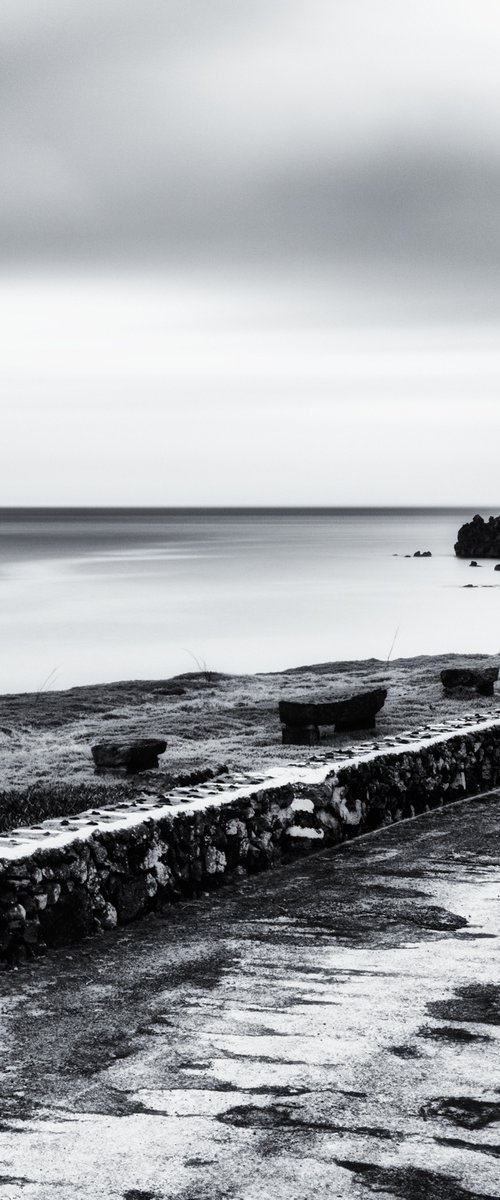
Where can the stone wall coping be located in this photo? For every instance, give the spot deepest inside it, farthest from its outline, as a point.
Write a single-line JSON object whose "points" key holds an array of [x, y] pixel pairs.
{"points": [[23, 843]]}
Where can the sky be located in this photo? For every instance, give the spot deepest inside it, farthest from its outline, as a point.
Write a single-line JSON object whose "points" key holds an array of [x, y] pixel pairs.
{"points": [[249, 252]]}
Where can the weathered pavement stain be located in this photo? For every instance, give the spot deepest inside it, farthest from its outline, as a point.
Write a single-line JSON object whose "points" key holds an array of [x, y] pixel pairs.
{"points": [[330, 1029]]}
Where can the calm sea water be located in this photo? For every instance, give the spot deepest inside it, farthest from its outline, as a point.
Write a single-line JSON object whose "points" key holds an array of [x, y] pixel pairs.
{"points": [[89, 596]]}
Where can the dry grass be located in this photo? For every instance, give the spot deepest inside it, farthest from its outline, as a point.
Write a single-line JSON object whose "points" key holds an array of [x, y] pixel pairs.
{"points": [[208, 721]]}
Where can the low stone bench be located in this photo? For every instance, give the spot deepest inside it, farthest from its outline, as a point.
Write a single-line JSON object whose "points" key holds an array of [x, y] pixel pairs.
{"points": [[467, 679], [137, 754], [301, 721]]}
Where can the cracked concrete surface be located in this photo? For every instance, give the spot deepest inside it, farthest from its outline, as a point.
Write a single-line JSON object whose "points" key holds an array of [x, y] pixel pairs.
{"points": [[329, 1029]]}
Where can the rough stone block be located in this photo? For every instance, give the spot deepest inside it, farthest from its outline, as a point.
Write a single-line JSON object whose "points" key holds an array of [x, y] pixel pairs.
{"points": [[479, 679], [141, 754]]}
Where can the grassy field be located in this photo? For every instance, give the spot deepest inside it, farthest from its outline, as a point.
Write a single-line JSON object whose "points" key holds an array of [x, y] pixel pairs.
{"points": [[208, 720]]}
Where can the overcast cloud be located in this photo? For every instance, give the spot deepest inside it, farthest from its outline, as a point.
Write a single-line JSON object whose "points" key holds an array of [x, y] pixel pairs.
{"points": [[171, 126], [276, 165]]}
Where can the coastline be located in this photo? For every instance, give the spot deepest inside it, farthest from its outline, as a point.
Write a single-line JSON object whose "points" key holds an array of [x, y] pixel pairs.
{"points": [[211, 720]]}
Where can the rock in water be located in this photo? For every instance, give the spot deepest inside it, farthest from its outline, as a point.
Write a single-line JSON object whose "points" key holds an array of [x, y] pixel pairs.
{"points": [[479, 538], [139, 754]]}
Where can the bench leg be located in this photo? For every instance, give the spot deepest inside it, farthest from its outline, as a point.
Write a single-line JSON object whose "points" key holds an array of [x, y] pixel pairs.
{"points": [[300, 735]]}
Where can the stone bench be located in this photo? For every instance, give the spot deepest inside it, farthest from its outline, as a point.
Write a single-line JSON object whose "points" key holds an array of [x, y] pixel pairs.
{"points": [[467, 679], [301, 721], [132, 756]]}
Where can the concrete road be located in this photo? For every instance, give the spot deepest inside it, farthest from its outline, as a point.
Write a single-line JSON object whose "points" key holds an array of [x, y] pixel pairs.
{"points": [[330, 1029]]}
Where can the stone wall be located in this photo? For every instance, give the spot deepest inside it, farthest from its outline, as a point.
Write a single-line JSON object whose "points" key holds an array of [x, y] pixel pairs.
{"points": [[106, 877]]}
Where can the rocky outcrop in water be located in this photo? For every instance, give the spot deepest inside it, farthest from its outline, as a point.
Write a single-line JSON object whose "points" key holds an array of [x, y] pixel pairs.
{"points": [[479, 538]]}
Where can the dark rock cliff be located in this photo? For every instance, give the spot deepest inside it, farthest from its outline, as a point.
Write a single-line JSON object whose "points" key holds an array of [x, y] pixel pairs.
{"points": [[479, 538]]}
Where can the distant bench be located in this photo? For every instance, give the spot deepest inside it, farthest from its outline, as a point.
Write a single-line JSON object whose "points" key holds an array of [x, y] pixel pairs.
{"points": [[301, 721], [466, 679]]}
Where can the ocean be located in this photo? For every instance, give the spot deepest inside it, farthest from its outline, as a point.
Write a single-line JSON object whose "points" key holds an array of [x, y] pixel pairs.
{"points": [[93, 595]]}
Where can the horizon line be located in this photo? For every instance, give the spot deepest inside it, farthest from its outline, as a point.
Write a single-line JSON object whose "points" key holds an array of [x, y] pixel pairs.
{"points": [[227, 508]]}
